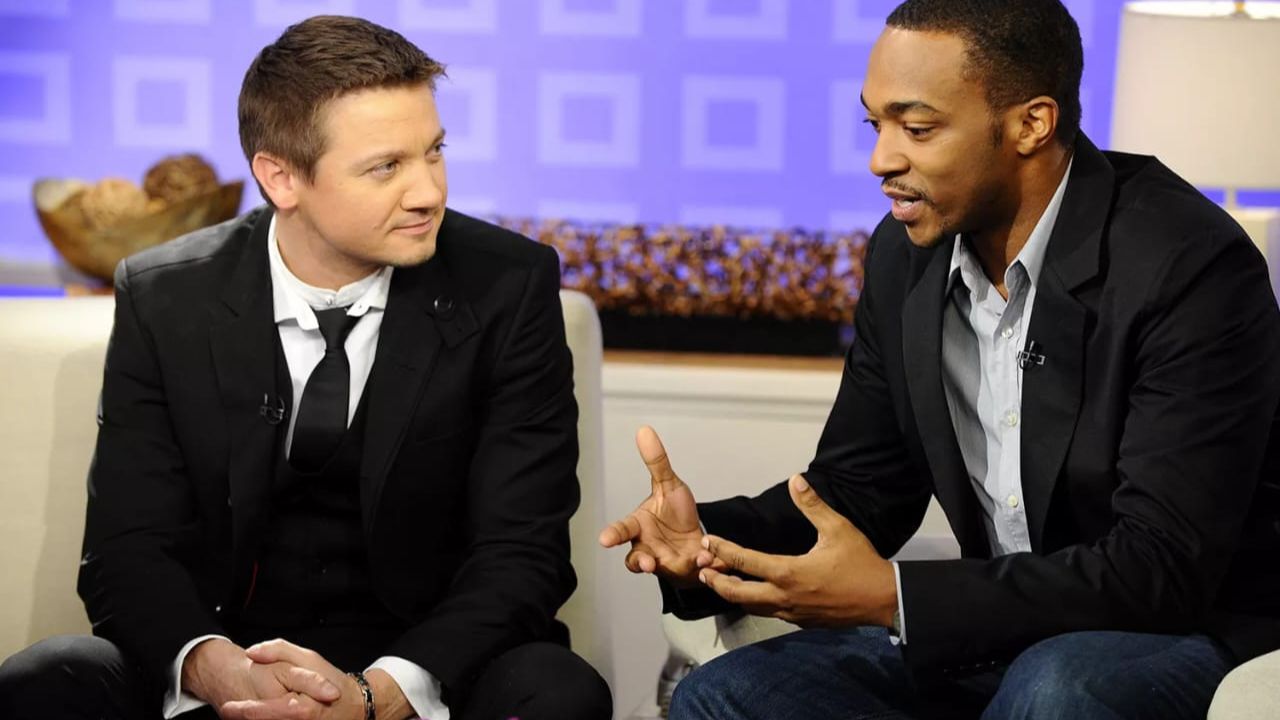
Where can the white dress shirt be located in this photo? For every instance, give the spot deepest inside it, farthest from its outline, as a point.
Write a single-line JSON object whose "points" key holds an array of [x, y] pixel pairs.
{"points": [[304, 346], [982, 335]]}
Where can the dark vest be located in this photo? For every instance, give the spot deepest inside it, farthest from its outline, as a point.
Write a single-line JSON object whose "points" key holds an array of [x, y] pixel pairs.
{"points": [[311, 582]]}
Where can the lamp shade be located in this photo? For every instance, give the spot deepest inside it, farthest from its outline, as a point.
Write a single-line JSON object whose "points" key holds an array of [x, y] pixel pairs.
{"points": [[1198, 85]]}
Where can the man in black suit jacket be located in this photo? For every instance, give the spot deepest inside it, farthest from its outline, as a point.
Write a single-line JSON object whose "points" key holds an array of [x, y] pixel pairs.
{"points": [[339, 431], [1077, 354]]}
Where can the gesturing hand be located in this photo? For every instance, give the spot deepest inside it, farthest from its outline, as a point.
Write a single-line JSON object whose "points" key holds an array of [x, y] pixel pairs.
{"points": [[842, 581], [664, 532]]}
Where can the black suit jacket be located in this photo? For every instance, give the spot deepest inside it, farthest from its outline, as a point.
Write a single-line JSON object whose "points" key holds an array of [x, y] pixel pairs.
{"points": [[1149, 451], [468, 476]]}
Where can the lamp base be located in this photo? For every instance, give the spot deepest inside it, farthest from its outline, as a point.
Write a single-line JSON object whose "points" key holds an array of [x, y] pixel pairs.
{"points": [[1263, 227]]}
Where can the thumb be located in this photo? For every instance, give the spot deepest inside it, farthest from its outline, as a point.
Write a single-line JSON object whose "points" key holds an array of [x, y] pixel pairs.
{"points": [[819, 513], [654, 455]]}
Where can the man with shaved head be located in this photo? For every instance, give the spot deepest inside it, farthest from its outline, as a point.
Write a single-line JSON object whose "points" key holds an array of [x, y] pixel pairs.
{"points": [[1075, 352]]}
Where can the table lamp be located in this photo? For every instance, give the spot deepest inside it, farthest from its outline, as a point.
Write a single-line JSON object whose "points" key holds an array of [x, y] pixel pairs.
{"points": [[1198, 86]]}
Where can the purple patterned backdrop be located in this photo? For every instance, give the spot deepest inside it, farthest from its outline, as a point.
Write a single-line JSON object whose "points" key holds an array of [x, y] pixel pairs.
{"points": [[697, 111]]}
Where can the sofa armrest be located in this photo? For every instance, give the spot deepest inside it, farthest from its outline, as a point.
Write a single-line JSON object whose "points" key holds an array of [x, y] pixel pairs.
{"points": [[1252, 690]]}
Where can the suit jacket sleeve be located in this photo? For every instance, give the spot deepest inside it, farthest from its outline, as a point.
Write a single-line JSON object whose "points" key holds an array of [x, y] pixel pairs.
{"points": [[1201, 399], [521, 491], [141, 526]]}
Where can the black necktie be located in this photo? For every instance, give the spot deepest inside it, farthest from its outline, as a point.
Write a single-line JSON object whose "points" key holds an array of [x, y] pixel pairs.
{"points": [[322, 412]]}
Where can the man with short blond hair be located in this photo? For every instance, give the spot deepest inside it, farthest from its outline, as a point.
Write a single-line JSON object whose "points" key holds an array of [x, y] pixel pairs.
{"points": [[335, 464]]}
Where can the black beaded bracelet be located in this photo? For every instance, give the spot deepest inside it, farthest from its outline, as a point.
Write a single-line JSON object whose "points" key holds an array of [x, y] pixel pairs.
{"points": [[366, 692]]}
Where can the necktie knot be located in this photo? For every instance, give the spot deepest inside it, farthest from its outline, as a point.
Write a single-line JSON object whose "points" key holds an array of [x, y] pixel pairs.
{"points": [[335, 325]]}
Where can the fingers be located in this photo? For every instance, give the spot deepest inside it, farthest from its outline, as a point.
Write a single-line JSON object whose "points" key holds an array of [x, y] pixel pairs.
{"points": [[654, 455], [621, 531], [706, 559], [639, 561], [286, 707], [763, 597], [751, 562], [820, 514], [280, 650], [288, 654], [309, 683], [624, 531]]}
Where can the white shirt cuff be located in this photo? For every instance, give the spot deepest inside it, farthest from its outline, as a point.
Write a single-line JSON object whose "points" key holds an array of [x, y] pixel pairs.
{"points": [[901, 637], [420, 687], [177, 700]]}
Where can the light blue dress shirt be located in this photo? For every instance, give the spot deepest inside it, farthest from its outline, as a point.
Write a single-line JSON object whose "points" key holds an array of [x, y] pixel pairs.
{"points": [[982, 336]]}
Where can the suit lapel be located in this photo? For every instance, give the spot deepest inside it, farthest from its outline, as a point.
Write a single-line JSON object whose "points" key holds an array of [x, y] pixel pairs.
{"points": [[242, 342], [423, 312], [922, 360], [1051, 393]]}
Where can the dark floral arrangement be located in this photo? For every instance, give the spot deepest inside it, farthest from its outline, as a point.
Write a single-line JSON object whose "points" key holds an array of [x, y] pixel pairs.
{"points": [[716, 272]]}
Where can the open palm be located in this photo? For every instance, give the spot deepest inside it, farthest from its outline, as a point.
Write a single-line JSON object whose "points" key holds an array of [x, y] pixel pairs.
{"points": [[664, 531]]}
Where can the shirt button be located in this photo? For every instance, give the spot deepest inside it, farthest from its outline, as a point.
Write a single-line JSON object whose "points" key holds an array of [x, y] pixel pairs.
{"points": [[1006, 333], [1011, 418], [1012, 501]]}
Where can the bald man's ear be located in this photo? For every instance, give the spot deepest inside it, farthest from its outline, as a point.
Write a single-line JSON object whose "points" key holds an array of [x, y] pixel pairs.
{"points": [[277, 178], [1038, 123]]}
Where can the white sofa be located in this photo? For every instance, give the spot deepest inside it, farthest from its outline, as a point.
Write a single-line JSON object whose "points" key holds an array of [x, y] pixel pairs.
{"points": [[51, 357], [51, 353]]}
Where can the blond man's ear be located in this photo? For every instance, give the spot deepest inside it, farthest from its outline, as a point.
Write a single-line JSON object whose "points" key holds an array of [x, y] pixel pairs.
{"points": [[277, 178]]}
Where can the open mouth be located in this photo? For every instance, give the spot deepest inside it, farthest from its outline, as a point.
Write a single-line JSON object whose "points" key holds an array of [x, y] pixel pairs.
{"points": [[904, 207]]}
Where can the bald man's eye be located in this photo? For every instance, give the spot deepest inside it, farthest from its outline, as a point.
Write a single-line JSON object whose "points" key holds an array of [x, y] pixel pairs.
{"points": [[918, 132], [875, 124]]}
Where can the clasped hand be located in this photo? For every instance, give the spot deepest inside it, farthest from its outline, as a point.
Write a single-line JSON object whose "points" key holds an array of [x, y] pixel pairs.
{"points": [[842, 580], [274, 680]]}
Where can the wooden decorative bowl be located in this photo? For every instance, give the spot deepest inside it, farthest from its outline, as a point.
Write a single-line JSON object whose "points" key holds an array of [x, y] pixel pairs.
{"points": [[96, 252]]}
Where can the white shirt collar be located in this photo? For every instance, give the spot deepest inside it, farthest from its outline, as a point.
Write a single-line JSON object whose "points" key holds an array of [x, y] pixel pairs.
{"points": [[295, 300], [1031, 256]]}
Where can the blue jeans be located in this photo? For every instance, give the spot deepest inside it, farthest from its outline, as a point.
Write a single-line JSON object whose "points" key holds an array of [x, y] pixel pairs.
{"points": [[858, 674]]}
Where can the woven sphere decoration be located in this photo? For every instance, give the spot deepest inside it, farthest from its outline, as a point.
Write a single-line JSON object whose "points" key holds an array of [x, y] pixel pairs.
{"points": [[179, 176], [111, 201]]}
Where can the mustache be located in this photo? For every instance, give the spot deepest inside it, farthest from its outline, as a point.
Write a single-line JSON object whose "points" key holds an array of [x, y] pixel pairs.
{"points": [[900, 187]]}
